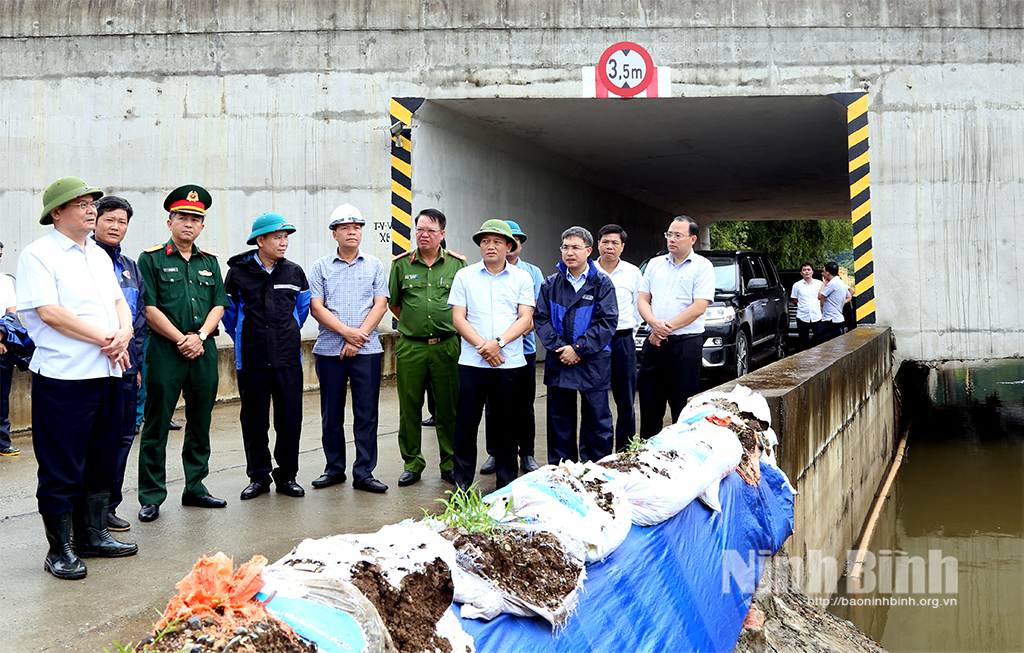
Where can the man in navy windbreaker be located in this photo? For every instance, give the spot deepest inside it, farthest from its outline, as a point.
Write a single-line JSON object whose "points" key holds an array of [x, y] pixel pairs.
{"points": [[575, 320], [269, 302]]}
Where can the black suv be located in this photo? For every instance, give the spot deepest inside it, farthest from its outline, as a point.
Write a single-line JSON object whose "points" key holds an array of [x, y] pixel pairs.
{"points": [[748, 321]]}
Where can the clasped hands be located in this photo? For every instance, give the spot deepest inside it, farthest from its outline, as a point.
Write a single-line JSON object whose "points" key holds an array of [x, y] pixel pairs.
{"points": [[354, 341], [660, 329], [116, 347]]}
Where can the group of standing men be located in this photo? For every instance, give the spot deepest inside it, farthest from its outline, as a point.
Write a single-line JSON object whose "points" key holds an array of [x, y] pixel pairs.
{"points": [[819, 304]]}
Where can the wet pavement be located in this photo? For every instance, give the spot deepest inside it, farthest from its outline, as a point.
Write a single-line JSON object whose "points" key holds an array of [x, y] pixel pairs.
{"points": [[120, 598]]}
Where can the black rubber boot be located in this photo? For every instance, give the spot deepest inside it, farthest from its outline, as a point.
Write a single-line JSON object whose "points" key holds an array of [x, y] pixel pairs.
{"points": [[61, 561], [92, 540]]}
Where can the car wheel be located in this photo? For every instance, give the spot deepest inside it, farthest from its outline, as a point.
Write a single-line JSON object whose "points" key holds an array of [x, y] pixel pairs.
{"points": [[780, 345], [742, 354]]}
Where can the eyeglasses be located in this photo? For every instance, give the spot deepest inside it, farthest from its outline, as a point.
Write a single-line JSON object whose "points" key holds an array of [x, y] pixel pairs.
{"points": [[83, 205], [671, 235], [574, 248], [424, 230]]}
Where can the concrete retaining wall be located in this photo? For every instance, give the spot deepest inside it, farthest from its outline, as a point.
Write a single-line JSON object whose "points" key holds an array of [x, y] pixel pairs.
{"points": [[833, 409]]}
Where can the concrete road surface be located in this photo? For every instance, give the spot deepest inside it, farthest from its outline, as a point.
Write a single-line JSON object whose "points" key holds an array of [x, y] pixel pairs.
{"points": [[120, 598]]}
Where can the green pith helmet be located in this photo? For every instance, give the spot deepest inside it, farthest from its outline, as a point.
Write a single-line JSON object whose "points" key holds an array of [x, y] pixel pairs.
{"points": [[63, 191], [268, 223], [499, 227]]}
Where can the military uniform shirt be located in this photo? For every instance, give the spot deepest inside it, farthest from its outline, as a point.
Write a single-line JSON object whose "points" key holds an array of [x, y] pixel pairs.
{"points": [[184, 291], [422, 293]]}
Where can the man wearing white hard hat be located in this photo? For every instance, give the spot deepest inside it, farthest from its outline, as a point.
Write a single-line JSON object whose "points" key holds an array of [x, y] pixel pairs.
{"points": [[349, 292]]}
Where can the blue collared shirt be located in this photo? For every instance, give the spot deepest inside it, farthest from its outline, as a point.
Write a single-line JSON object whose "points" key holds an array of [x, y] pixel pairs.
{"points": [[673, 288], [492, 306], [347, 290], [529, 342], [574, 282]]}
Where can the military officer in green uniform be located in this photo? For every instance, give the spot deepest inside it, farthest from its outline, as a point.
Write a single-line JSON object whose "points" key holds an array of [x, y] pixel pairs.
{"points": [[185, 300], [428, 349]]}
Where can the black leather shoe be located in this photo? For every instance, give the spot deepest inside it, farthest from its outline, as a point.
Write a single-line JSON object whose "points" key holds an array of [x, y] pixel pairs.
{"points": [[255, 489], [528, 464], [408, 478], [290, 488], [429, 421], [149, 512], [116, 524], [448, 477], [173, 426], [370, 484], [205, 501], [489, 466], [327, 480]]}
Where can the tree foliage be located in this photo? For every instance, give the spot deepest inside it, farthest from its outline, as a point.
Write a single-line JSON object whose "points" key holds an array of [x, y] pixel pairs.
{"points": [[789, 243]]}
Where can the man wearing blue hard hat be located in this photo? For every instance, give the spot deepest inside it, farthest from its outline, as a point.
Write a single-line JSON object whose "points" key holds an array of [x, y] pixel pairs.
{"points": [[269, 302]]}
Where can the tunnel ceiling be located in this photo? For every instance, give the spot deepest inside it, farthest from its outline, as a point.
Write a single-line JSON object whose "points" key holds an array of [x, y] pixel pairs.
{"points": [[760, 158]]}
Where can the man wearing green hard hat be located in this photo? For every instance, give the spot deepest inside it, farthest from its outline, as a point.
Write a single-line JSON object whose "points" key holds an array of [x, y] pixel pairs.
{"points": [[492, 307], [185, 301], [269, 298], [81, 324]]}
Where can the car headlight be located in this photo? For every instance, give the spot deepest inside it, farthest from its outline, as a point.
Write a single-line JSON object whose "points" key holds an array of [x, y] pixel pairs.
{"points": [[714, 342], [719, 315]]}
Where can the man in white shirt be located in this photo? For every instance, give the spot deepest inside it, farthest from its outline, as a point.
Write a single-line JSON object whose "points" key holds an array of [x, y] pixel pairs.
{"points": [[627, 278], [808, 308], [492, 307], [77, 316], [676, 291], [834, 294]]}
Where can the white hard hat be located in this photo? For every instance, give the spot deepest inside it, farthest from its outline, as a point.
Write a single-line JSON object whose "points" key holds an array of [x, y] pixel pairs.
{"points": [[346, 214]]}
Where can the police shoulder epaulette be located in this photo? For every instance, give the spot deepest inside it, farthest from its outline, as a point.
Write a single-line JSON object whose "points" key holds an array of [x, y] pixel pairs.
{"points": [[154, 248], [457, 255], [398, 256]]}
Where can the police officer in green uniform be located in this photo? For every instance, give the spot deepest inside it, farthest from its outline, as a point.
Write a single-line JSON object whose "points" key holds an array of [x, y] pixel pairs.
{"points": [[185, 301], [428, 349]]}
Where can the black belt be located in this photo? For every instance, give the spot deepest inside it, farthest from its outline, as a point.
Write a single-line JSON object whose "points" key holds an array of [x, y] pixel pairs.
{"points": [[622, 333], [430, 340], [683, 336]]}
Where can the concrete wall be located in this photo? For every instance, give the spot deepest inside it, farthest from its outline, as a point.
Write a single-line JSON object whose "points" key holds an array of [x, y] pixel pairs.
{"points": [[833, 409], [274, 105]]}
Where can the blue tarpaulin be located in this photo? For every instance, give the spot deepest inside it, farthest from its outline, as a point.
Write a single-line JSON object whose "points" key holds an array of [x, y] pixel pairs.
{"points": [[683, 585]]}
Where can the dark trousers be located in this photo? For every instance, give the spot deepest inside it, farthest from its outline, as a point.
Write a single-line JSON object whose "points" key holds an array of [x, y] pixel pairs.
{"points": [[363, 373], [596, 438], [257, 388], [127, 429], [624, 387], [496, 387], [168, 376], [525, 427], [668, 373], [825, 331], [6, 376], [805, 331], [75, 433]]}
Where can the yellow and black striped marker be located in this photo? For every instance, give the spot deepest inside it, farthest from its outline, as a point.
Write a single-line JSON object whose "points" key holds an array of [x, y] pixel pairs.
{"points": [[402, 109], [860, 202]]}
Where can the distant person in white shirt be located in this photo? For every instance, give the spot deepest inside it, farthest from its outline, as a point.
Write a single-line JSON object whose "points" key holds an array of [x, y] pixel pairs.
{"points": [[627, 278], [808, 308], [834, 294]]}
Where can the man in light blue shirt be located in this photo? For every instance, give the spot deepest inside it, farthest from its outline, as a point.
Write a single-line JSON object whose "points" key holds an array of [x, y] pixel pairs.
{"points": [[526, 392], [675, 292], [492, 307]]}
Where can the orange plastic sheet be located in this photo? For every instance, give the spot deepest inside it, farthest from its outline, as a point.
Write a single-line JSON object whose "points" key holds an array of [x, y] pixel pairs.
{"points": [[214, 588]]}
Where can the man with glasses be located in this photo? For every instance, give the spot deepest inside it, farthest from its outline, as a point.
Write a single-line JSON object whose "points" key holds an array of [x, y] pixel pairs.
{"points": [[575, 319], [81, 324], [428, 351], [675, 292]]}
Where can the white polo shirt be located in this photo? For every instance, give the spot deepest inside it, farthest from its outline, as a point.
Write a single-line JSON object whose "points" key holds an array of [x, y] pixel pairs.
{"points": [[834, 292], [627, 280], [54, 270], [808, 307], [674, 288], [492, 306]]}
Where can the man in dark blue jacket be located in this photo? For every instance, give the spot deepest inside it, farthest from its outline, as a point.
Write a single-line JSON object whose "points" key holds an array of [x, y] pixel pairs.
{"points": [[112, 217], [575, 320], [269, 302]]}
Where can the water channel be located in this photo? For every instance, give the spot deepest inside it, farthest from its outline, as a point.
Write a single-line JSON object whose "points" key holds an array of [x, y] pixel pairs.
{"points": [[949, 549]]}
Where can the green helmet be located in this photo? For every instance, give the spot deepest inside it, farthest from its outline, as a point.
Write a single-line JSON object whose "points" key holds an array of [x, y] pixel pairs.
{"points": [[268, 223], [63, 191], [499, 227]]}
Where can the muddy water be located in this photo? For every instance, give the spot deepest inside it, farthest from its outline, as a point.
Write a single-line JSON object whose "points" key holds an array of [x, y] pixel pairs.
{"points": [[956, 510]]}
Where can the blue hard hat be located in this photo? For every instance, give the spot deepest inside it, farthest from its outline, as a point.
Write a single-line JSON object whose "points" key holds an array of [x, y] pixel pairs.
{"points": [[516, 231]]}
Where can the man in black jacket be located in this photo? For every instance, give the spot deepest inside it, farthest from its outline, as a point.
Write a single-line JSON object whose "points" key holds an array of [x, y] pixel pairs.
{"points": [[269, 298]]}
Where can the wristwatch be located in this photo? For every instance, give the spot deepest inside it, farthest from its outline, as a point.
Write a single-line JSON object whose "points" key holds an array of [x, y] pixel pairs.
{"points": [[202, 336], [501, 343]]}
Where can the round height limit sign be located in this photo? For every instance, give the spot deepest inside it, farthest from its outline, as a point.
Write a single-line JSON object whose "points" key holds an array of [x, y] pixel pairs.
{"points": [[626, 69]]}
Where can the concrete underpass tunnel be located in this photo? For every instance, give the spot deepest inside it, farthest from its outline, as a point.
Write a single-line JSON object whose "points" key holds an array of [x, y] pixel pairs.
{"points": [[553, 163]]}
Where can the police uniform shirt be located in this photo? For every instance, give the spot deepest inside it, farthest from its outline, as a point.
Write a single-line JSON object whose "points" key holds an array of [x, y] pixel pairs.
{"points": [[184, 291], [422, 293], [673, 288]]}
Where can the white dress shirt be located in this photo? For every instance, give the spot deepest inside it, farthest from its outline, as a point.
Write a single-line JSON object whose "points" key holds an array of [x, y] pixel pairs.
{"points": [[627, 279], [674, 288], [808, 307], [492, 306]]}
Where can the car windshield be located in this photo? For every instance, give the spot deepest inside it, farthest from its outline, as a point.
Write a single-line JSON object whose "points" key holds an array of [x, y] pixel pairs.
{"points": [[727, 274]]}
